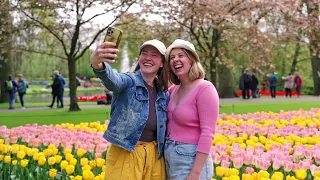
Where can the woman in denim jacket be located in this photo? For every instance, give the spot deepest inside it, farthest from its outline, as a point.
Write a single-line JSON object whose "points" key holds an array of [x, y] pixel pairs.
{"points": [[192, 114], [138, 112]]}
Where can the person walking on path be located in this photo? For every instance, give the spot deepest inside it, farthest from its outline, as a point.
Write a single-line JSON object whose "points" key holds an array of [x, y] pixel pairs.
{"points": [[56, 88], [254, 85], [272, 80], [192, 115], [22, 89], [138, 112], [298, 84], [288, 84], [11, 89], [63, 83], [244, 84]]}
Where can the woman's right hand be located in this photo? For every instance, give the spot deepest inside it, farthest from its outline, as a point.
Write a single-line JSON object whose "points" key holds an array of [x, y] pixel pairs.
{"points": [[104, 53]]}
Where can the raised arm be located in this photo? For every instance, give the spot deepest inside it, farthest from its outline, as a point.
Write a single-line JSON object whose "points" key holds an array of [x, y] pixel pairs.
{"points": [[100, 59]]}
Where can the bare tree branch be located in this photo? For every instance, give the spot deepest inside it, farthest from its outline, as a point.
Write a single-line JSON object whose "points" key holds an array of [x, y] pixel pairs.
{"points": [[49, 30], [99, 32], [107, 11], [42, 52]]}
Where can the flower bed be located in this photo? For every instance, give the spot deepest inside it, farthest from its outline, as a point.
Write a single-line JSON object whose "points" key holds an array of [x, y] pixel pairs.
{"points": [[253, 146]]}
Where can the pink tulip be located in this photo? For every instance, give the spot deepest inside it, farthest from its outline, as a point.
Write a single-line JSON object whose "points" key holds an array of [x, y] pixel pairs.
{"points": [[98, 155], [237, 163], [225, 164], [248, 159], [276, 164], [249, 170]]}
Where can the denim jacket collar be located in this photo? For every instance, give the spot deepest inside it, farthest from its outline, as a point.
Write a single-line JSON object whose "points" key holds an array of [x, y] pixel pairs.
{"points": [[140, 82]]}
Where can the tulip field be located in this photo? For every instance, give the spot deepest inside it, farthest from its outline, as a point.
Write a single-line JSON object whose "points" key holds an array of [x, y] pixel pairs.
{"points": [[252, 146]]}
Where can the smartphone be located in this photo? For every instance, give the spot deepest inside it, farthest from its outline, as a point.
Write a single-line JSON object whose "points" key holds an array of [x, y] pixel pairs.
{"points": [[113, 35]]}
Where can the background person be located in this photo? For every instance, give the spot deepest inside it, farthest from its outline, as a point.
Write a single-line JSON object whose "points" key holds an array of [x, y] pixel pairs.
{"points": [[298, 83], [11, 89], [22, 89], [56, 89], [288, 84]]}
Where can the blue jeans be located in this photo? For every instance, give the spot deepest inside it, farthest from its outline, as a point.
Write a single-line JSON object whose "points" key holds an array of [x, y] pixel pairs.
{"points": [[179, 159], [12, 98]]}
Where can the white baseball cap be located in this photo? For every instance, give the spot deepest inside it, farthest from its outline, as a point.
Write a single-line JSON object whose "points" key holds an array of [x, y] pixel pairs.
{"points": [[155, 43], [180, 43]]}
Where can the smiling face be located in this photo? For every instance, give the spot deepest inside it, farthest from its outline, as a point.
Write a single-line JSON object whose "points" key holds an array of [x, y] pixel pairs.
{"points": [[180, 63], [150, 60]]}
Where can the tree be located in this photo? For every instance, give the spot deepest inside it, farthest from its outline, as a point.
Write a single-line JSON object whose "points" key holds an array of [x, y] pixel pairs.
{"points": [[6, 29], [210, 24], [66, 21]]}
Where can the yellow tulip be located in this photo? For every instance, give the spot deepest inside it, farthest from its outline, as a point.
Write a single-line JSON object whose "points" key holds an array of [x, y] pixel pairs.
{"points": [[1, 157], [316, 178], [290, 178], [86, 167], [220, 171], [80, 152], [51, 146], [48, 152], [24, 163], [73, 161], [247, 177], [53, 173], [100, 162], [263, 174], [234, 177], [316, 174], [41, 161], [87, 175], [36, 156], [1, 141], [301, 174], [92, 164], [14, 162], [67, 150], [234, 172], [64, 164], [68, 156], [30, 152], [55, 151], [14, 148], [21, 154], [51, 161], [70, 169], [225, 178], [77, 178], [7, 159], [277, 176], [84, 161], [58, 158]]}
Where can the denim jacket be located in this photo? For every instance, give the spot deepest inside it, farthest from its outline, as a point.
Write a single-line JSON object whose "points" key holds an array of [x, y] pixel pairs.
{"points": [[130, 109]]}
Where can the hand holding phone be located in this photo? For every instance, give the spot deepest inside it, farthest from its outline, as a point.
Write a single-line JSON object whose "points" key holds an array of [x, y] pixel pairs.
{"points": [[113, 35]]}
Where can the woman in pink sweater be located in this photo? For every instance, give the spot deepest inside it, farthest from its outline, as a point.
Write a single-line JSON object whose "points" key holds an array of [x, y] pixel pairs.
{"points": [[192, 115]]}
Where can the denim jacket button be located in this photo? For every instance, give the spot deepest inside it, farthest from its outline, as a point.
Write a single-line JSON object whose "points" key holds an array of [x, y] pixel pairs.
{"points": [[161, 126]]}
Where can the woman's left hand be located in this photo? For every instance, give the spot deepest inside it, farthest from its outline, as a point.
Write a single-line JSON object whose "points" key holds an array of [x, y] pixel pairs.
{"points": [[193, 176]]}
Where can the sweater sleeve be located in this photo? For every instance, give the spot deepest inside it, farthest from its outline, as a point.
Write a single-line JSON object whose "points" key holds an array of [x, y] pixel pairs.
{"points": [[208, 111]]}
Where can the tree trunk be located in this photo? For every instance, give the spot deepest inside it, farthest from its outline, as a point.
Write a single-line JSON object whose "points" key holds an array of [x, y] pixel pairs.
{"points": [[295, 57], [225, 82], [315, 62], [73, 85], [3, 77], [215, 40]]}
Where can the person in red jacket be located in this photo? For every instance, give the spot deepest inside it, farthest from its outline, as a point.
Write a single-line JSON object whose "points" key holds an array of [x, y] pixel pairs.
{"points": [[298, 83]]}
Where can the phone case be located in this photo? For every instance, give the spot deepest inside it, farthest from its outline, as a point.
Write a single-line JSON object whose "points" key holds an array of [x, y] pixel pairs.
{"points": [[113, 35]]}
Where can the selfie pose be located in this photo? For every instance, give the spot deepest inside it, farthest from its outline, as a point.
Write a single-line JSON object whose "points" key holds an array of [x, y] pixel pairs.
{"points": [[138, 112], [192, 114]]}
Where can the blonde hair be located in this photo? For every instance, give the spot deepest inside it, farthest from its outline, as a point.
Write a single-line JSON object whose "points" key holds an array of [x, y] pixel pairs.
{"points": [[196, 71]]}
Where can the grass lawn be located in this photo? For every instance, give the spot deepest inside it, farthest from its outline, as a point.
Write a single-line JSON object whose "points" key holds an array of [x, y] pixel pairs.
{"points": [[12, 119], [41, 104]]}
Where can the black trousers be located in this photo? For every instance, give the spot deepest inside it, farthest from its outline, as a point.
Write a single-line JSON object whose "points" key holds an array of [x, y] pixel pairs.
{"points": [[246, 92], [288, 92], [273, 91]]}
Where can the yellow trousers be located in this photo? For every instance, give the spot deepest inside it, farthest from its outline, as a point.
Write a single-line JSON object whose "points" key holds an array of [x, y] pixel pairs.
{"points": [[142, 164]]}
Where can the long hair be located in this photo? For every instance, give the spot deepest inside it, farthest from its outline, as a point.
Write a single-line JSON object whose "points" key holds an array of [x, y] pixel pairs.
{"points": [[162, 74]]}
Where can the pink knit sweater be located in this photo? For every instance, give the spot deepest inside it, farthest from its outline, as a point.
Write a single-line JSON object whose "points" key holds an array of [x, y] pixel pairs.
{"points": [[193, 120]]}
